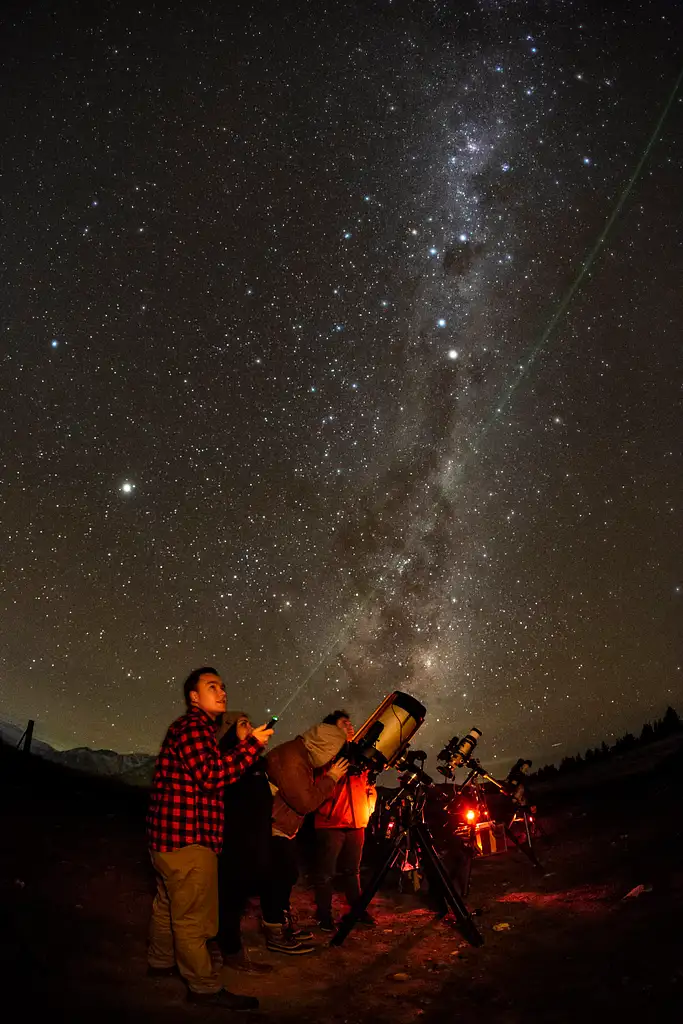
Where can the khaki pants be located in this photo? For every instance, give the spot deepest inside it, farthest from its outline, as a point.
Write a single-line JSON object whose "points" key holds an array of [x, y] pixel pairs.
{"points": [[185, 915]]}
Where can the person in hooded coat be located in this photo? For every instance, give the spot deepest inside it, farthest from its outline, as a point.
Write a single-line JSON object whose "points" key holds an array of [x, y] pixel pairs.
{"points": [[302, 775], [243, 864]]}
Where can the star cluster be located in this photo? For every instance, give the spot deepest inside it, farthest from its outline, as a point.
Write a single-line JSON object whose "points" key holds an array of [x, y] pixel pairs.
{"points": [[274, 287]]}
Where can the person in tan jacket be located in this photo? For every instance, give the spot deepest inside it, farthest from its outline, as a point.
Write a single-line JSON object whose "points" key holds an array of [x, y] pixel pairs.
{"points": [[302, 775]]}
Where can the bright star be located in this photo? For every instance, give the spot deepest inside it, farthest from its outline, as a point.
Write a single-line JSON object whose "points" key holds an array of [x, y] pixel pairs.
{"points": [[127, 487], [54, 343], [441, 322], [452, 353]]}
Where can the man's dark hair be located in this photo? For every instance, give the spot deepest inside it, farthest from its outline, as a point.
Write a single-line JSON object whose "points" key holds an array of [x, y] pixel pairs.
{"points": [[334, 717], [190, 683]]}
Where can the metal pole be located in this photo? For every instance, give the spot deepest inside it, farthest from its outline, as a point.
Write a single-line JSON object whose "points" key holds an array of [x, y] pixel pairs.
{"points": [[28, 736]]}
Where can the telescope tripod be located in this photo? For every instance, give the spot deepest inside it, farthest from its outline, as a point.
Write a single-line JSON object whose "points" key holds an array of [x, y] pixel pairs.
{"points": [[475, 769], [413, 835]]}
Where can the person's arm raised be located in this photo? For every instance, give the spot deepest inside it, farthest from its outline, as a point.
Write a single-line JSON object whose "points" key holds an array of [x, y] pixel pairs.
{"points": [[211, 770], [301, 791], [238, 759], [197, 749]]}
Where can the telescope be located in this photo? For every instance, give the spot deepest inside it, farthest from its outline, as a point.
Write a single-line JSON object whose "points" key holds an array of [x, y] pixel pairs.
{"points": [[382, 741], [457, 752]]}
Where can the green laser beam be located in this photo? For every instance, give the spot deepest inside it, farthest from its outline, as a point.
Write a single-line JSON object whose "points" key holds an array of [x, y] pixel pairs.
{"points": [[534, 353], [540, 345]]}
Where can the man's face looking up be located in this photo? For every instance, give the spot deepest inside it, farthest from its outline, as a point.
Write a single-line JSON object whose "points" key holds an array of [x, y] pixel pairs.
{"points": [[209, 695]]}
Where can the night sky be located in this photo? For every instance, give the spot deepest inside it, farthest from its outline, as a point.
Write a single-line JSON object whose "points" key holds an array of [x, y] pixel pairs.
{"points": [[279, 393]]}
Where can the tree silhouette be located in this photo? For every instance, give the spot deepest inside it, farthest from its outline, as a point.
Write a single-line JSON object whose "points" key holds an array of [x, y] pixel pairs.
{"points": [[669, 725]]}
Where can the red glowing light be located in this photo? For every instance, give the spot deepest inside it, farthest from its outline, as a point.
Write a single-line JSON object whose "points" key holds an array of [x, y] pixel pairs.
{"points": [[471, 815]]}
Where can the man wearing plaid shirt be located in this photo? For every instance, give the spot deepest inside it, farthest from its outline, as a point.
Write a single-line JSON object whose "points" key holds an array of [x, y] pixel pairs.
{"points": [[185, 832]]}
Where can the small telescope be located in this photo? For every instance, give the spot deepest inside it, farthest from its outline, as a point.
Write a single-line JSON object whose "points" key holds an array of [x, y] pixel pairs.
{"points": [[457, 752]]}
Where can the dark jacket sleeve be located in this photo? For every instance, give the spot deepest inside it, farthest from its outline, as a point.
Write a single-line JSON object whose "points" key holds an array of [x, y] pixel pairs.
{"points": [[290, 770]]}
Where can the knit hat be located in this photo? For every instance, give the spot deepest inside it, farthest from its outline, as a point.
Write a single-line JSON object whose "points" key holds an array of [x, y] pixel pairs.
{"points": [[323, 742]]}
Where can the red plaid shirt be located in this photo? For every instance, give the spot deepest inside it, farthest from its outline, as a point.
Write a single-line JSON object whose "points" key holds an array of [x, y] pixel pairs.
{"points": [[186, 805]]}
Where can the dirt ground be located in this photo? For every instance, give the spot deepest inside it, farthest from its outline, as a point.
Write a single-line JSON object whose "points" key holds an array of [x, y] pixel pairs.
{"points": [[76, 893]]}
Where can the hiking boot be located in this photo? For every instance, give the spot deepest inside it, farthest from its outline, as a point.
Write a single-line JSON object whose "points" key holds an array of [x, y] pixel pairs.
{"points": [[278, 941], [163, 972], [366, 920], [228, 1000], [294, 932], [326, 923], [242, 962]]}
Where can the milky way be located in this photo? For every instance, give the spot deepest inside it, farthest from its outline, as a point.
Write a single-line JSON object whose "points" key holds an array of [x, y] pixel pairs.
{"points": [[273, 285]]}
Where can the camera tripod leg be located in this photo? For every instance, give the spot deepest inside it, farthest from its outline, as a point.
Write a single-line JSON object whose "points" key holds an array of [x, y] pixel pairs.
{"points": [[361, 905], [438, 874], [469, 855], [523, 848]]}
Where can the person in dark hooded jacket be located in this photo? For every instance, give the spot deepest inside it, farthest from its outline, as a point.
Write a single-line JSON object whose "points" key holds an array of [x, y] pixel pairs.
{"points": [[243, 865]]}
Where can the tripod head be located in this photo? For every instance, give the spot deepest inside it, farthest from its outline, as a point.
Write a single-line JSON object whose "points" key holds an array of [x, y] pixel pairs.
{"points": [[410, 773], [475, 769], [408, 803]]}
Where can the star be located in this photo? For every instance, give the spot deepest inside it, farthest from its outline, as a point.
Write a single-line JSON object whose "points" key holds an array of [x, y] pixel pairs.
{"points": [[326, 449]]}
